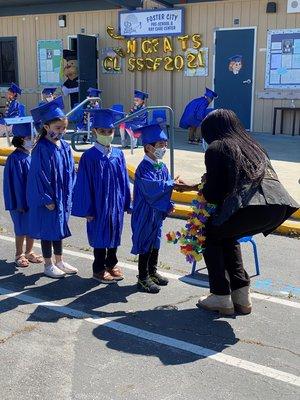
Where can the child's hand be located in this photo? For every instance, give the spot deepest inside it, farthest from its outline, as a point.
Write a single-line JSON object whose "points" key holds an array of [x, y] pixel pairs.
{"points": [[89, 218], [172, 209], [51, 206]]}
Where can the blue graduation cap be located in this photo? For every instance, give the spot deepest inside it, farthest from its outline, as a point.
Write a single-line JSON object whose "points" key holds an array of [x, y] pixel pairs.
{"points": [[236, 58], [22, 126], [209, 93], [47, 91], [105, 117], [93, 92], [15, 88], [47, 112], [151, 134], [141, 95]]}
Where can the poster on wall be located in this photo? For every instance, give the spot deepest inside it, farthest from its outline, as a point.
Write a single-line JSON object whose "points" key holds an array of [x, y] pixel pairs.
{"points": [[157, 22], [283, 59], [202, 68], [110, 62], [49, 56]]}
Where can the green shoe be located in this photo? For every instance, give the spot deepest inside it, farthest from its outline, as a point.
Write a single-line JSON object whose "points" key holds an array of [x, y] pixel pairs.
{"points": [[147, 285], [159, 279]]}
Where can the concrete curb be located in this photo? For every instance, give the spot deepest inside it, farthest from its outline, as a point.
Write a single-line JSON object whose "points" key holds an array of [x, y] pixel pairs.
{"points": [[289, 227]]}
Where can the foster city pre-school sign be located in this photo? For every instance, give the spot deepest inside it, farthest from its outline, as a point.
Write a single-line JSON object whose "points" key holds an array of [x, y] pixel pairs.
{"points": [[159, 22]]}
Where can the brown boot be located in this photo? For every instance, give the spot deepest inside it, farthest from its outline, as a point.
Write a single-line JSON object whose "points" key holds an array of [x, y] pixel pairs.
{"points": [[214, 302], [116, 273], [104, 277], [242, 300]]}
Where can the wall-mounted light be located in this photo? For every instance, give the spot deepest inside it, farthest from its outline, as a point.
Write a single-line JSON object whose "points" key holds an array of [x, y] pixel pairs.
{"points": [[271, 7], [62, 21]]}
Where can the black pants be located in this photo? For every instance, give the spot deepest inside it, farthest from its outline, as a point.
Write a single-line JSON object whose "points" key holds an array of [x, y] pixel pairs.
{"points": [[223, 252], [104, 258], [47, 248], [148, 263]]}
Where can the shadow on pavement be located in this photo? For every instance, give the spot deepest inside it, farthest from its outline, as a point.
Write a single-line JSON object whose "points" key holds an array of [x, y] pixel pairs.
{"points": [[191, 325]]}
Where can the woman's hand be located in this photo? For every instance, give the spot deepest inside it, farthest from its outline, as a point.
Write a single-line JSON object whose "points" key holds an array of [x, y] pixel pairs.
{"points": [[51, 206], [89, 218], [184, 187], [203, 178]]}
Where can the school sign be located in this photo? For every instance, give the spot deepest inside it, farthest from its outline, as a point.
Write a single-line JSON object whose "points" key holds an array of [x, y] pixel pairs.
{"points": [[151, 40], [152, 22]]}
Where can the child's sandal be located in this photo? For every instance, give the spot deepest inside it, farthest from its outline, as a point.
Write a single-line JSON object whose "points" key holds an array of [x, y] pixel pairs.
{"points": [[34, 258], [21, 261]]}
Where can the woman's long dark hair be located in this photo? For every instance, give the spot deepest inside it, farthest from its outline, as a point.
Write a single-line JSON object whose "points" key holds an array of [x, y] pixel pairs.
{"points": [[247, 156]]}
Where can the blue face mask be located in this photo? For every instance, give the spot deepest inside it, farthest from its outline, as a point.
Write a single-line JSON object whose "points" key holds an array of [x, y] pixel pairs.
{"points": [[204, 145], [55, 136]]}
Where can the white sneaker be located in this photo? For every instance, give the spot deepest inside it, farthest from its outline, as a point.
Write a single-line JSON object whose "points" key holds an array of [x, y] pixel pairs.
{"points": [[66, 268], [53, 272]]}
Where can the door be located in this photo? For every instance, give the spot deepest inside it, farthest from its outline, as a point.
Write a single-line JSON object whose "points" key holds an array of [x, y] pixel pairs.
{"points": [[234, 71], [87, 64]]}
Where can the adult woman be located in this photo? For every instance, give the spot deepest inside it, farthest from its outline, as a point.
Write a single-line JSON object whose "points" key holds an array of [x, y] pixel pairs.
{"points": [[250, 199]]}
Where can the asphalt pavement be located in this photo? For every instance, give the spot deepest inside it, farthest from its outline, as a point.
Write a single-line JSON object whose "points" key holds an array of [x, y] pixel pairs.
{"points": [[75, 339]]}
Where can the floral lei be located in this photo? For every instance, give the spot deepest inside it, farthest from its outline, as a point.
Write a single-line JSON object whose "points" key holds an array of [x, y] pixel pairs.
{"points": [[192, 237]]}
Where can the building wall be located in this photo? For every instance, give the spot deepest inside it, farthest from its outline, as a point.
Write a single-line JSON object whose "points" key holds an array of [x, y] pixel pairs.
{"points": [[166, 88]]}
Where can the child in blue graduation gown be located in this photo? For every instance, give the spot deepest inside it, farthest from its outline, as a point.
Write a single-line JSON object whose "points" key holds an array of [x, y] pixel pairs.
{"points": [[102, 195], [50, 185], [82, 125], [12, 108], [139, 102], [14, 190], [194, 113], [47, 95], [153, 188]]}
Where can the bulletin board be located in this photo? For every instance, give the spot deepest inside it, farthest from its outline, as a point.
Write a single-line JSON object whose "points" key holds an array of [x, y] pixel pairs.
{"points": [[49, 56], [283, 59]]}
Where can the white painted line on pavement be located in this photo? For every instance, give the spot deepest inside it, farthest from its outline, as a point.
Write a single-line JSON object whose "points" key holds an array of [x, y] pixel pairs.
{"points": [[185, 279], [157, 338]]}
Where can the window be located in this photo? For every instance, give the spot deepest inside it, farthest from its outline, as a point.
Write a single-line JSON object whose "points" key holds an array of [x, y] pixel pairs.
{"points": [[8, 61]]}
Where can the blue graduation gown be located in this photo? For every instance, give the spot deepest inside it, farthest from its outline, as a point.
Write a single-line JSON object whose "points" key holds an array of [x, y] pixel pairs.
{"points": [[151, 204], [194, 113], [138, 121], [102, 191], [14, 189], [51, 179], [12, 111]]}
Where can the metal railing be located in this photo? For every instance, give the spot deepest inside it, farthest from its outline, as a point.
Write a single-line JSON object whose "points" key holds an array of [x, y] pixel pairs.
{"points": [[80, 105], [75, 136]]}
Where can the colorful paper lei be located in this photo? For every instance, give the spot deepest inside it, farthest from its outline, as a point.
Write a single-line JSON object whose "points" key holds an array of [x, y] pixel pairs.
{"points": [[192, 237]]}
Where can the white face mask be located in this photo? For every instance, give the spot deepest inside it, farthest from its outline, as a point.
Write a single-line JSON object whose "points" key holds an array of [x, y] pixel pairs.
{"points": [[105, 140], [204, 145], [28, 144], [160, 152]]}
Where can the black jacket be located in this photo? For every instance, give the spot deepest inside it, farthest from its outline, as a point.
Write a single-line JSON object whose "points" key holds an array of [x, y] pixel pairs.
{"points": [[222, 189]]}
